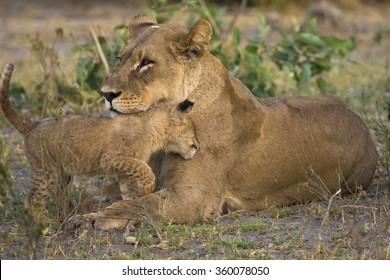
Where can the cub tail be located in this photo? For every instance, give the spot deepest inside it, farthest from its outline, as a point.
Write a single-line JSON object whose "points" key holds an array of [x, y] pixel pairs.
{"points": [[21, 123]]}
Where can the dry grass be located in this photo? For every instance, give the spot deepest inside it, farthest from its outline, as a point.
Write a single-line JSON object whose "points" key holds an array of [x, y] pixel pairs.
{"points": [[352, 227]]}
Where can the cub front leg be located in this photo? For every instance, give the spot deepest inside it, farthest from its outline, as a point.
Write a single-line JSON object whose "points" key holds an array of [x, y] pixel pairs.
{"points": [[136, 178]]}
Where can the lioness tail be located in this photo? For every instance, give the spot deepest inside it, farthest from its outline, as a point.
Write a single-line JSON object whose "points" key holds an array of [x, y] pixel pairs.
{"points": [[21, 123]]}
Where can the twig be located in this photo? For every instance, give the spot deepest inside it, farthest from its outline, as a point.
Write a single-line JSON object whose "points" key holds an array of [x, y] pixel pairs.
{"points": [[328, 209], [234, 20], [217, 31], [149, 219], [100, 51]]}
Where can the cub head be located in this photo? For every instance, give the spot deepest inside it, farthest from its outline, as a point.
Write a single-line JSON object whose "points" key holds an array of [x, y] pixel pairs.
{"points": [[181, 132], [159, 64]]}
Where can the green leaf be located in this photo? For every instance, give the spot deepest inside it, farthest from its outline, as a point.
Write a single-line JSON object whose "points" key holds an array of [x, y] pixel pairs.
{"points": [[236, 56], [305, 74], [323, 62], [151, 12], [16, 90], [264, 29], [18, 95], [323, 86], [236, 37], [82, 48], [286, 55], [251, 49], [282, 33], [305, 38], [120, 27], [339, 46], [234, 71], [311, 25]]}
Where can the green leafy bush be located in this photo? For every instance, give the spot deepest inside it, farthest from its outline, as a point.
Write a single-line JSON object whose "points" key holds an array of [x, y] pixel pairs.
{"points": [[306, 55]]}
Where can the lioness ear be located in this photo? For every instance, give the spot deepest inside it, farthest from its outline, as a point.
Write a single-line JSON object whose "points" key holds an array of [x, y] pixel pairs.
{"points": [[196, 41], [138, 23], [186, 105]]}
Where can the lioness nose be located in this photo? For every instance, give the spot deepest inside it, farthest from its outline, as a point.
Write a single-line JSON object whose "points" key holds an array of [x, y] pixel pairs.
{"points": [[110, 95]]}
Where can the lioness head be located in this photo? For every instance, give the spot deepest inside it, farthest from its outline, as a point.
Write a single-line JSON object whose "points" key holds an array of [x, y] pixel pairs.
{"points": [[153, 67]]}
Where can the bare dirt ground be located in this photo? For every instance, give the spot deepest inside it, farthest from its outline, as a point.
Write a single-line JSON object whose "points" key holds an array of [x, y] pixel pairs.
{"points": [[352, 227]]}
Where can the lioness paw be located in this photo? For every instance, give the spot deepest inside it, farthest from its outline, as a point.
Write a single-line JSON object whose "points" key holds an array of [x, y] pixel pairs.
{"points": [[97, 220], [80, 222]]}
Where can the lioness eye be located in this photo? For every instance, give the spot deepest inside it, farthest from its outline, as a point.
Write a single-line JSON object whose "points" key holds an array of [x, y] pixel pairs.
{"points": [[144, 62]]}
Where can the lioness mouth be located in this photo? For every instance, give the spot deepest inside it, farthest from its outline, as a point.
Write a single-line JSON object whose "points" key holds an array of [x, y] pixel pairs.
{"points": [[117, 112], [126, 114]]}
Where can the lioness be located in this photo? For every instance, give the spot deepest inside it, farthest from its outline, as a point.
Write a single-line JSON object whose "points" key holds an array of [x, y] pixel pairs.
{"points": [[82, 145], [256, 153]]}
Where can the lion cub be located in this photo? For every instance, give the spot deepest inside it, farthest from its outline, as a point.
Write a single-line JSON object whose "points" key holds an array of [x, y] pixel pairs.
{"points": [[81, 145]]}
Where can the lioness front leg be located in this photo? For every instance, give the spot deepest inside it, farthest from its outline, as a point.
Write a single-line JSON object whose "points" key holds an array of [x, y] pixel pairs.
{"points": [[168, 205], [136, 178], [118, 215]]}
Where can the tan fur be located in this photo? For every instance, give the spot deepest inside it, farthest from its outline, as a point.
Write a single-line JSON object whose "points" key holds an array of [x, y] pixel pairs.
{"points": [[100, 198], [256, 153], [82, 145]]}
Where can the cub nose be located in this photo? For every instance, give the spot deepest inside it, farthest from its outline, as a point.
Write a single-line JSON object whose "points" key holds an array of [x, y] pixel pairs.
{"points": [[110, 95]]}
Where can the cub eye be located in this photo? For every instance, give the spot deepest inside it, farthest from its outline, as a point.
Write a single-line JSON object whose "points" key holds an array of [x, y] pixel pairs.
{"points": [[145, 64]]}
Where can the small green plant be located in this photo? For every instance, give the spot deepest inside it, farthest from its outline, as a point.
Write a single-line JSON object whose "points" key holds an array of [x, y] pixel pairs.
{"points": [[280, 212], [307, 55], [252, 226], [144, 236]]}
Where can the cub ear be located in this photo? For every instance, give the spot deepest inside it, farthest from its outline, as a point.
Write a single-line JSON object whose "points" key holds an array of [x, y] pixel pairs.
{"points": [[184, 106], [196, 41], [140, 22]]}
